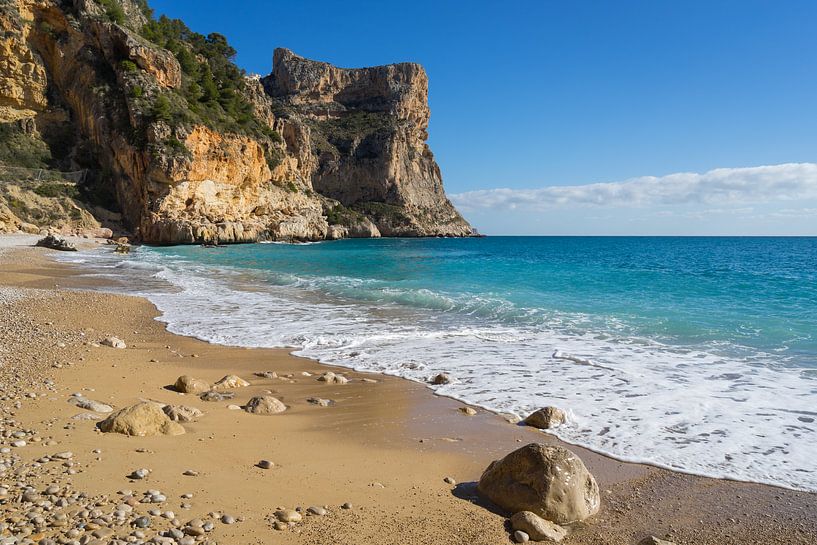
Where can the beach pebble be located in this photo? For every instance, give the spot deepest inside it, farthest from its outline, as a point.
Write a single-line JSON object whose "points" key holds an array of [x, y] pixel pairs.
{"points": [[19, 443], [346, 505], [67, 455], [191, 385], [521, 537], [265, 405], [234, 407], [288, 515], [320, 402], [190, 473], [652, 540], [89, 404], [265, 464], [537, 528], [450, 480], [216, 396], [332, 378], [181, 413], [142, 522], [227, 519], [231, 381], [113, 342], [316, 510], [470, 411], [140, 474]]}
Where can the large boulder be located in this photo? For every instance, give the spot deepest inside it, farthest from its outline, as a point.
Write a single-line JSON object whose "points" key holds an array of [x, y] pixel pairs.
{"points": [[546, 418], [143, 419], [549, 481], [265, 405], [537, 528], [190, 385]]}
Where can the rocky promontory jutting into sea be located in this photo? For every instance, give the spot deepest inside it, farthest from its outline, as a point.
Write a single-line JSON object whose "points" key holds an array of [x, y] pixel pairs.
{"points": [[186, 148]]}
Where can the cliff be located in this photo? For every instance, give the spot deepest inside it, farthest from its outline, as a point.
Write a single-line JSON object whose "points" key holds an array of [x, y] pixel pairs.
{"points": [[189, 149]]}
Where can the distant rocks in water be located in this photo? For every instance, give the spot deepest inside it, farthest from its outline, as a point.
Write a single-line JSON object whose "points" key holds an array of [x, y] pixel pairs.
{"points": [[113, 342], [143, 419], [469, 411], [181, 413], [549, 481], [652, 540], [332, 378], [546, 418], [442, 378], [216, 396], [537, 528], [54, 242], [230, 382], [90, 404], [320, 402], [190, 385], [265, 405]]}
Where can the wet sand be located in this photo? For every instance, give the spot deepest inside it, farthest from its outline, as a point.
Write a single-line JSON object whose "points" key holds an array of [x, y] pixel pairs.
{"points": [[384, 446]]}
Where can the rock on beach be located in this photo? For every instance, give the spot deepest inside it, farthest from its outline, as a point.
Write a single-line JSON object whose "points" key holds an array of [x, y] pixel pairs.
{"points": [[549, 481], [143, 419]]}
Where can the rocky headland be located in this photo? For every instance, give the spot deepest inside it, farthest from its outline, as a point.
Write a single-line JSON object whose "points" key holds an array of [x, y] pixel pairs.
{"points": [[176, 144]]}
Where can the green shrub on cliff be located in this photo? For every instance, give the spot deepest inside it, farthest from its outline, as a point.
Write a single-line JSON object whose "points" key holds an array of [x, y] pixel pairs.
{"points": [[212, 85], [20, 149], [114, 11]]}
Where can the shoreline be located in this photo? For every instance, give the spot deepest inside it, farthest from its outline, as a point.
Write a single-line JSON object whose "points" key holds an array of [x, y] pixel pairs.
{"points": [[411, 437]]}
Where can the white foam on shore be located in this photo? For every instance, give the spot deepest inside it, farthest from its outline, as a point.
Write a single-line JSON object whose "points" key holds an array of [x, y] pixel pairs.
{"points": [[697, 410]]}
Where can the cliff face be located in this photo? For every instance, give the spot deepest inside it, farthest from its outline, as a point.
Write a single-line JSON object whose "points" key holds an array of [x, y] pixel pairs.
{"points": [[313, 152], [369, 130]]}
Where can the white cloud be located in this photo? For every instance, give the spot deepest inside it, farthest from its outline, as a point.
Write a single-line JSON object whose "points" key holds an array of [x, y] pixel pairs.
{"points": [[723, 187]]}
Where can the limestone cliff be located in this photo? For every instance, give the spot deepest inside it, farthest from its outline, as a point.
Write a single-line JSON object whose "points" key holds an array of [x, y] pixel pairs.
{"points": [[369, 129], [190, 150]]}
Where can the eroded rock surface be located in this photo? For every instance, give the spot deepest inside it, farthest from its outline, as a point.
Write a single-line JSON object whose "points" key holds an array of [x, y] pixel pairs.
{"points": [[549, 481]]}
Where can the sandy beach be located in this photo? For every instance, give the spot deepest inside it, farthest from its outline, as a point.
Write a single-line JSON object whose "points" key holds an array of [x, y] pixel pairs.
{"points": [[384, 445]]}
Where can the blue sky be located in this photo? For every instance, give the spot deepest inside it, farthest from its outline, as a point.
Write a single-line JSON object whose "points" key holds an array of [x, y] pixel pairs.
{"points": [[530, 95]]}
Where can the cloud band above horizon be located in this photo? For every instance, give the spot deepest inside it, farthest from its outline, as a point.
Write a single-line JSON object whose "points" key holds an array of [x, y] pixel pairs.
{"points": [[719, 187]]}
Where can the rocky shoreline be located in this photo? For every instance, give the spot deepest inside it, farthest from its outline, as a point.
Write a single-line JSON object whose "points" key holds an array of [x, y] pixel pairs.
{"points": [[299, 453]]}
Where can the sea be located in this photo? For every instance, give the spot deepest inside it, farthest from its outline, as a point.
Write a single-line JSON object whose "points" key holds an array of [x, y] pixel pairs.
{"points": [[694, 354]]}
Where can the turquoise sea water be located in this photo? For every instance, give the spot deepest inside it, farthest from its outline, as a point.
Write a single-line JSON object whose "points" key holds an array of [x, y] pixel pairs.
{"points": [[698, 354]]}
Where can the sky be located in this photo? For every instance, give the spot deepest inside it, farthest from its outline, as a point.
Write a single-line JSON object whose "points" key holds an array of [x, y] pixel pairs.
{"points": [[580, 117]]}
